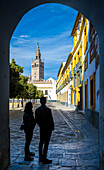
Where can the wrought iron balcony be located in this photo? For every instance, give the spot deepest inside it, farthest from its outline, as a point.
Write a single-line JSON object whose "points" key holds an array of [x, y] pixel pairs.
{"points": [[80, 65], [77, 67], [79, 78], [74, 73], [74, 83], [71, 75]]}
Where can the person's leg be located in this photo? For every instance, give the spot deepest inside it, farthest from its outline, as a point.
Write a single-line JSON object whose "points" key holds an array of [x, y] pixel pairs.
{"points": [[31, 153], [41, 145], [27, 144], [46, 143]]}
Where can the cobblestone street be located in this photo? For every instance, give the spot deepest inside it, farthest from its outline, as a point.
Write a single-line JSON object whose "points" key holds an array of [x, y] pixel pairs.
{"points": [[73, 145]]}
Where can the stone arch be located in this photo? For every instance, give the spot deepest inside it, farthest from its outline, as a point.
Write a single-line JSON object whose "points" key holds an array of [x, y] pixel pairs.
{"points": [[11, 13]]}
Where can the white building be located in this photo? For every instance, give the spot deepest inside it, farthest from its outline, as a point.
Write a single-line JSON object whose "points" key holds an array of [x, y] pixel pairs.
{"points": [[48, 87]]}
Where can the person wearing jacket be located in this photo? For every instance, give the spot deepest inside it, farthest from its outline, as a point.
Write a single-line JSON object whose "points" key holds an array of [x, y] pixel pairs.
{"points": [[29, 124], [44, 120]]}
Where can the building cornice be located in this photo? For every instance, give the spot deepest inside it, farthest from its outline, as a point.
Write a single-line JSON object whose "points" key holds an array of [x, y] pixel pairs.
{"points": [[75, 24]]}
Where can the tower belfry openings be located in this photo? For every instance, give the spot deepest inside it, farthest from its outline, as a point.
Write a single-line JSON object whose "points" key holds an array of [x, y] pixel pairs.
{"points": [[37, 54], [37, 66]]}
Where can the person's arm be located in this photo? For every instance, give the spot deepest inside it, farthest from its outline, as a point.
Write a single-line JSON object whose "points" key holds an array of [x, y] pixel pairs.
{"points": [[37, 117]]}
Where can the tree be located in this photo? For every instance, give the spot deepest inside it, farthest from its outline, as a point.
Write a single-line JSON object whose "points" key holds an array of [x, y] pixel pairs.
{"points": [[31, 91], [39, 94], [19, 88], [15, 72], [24, 93]]}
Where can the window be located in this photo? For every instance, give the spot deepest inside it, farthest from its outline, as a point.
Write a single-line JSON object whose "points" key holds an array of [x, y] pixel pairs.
{"points": [[74, 82], [85, 38], [79, 78], [92, 51], [92, 92], [86, 62], [46, 92], [86, 93], [91, 30], [91, 83]]}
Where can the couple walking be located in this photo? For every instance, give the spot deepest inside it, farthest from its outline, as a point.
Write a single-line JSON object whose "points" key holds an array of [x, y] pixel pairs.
{"points": [[44, 119]]}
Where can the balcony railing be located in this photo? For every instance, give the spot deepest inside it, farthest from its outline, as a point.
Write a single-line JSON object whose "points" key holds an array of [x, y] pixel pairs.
{"points": [[64, 83], [74, 71], [68, 78], [71, 75], [74, 83], [80, 65], [77, 67], [79, 78]]}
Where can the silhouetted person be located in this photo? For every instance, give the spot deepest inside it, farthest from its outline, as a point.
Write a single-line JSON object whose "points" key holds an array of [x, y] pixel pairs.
{"points": [[44, 119], [29, 124]]}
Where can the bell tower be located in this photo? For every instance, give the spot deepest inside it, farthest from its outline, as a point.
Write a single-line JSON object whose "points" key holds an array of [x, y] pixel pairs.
{"points": [[37, 66]]}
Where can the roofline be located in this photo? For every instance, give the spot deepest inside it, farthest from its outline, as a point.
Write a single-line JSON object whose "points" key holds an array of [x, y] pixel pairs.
{"points": [[75, 23], [60, 69]]}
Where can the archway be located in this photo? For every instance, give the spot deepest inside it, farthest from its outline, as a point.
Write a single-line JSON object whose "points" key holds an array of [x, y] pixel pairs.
{"points": [[11, 13]]}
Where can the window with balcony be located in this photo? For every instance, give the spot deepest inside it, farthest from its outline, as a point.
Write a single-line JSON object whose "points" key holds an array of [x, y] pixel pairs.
{"points": [[79, 78], [77, 67], [74, 71], [91, 32], [80, 64], [74, 82]]}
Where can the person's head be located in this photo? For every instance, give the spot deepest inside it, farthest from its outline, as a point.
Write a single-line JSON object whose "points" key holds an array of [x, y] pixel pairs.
{"points": [[28, 107], [43, 100]]}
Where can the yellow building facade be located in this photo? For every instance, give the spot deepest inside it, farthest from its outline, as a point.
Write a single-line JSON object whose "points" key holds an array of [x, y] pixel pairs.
{"points": [[78, 83]]}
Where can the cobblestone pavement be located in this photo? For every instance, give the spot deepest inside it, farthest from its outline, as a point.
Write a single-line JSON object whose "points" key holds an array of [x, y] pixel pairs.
{"points": [[73, 145]]}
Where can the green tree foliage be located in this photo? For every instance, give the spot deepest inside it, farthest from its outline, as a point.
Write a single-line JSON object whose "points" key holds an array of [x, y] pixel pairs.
{"points": [[31, 91], [23, 81], [39, 94], [19, 88], [15, 71]]}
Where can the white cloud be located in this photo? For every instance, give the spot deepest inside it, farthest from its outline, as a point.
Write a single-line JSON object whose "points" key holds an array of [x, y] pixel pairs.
{"points": [[24, 36]]}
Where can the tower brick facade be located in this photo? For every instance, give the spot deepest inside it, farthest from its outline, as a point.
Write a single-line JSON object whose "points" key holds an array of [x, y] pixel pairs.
{"points": [[37, 66]]}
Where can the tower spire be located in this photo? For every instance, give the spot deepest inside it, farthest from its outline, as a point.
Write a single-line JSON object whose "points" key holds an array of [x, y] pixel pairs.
{"points": [[37, 43], [37, 54]]}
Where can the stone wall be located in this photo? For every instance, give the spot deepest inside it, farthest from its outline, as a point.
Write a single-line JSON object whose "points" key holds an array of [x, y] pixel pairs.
{"points": [[93, 117]]}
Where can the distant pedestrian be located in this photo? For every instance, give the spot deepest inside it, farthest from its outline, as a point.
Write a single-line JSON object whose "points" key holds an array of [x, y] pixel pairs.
{"points": [[44, 119], [29, 124]]}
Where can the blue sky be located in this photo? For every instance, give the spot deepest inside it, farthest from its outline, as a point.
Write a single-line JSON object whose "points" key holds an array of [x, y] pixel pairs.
{"points": [[50, 25]]}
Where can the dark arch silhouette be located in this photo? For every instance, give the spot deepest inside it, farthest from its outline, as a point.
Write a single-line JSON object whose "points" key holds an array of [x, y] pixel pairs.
{"points": [[11, 13]]}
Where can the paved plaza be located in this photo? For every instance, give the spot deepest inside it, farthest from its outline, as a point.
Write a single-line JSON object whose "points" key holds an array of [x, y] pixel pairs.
{"points": [[73, 145]]}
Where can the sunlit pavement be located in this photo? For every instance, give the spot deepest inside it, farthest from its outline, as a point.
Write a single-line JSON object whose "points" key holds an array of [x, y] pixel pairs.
{"points": [[73, 145]]}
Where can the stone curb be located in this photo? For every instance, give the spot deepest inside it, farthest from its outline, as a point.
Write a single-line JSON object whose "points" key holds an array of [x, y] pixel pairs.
{"points": [[14, 111]]}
